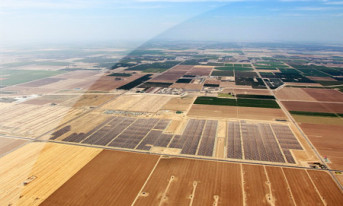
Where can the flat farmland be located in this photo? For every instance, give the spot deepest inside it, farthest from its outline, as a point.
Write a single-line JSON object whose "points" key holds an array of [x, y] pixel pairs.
{"points": [[41, 82], [294, 94], [142, 103], [88, 100], [8, 145], [48, 99], [190, 87], [212, 111], [179, 103], [326, 187], [326, 95], [173, 74], [108, 83], [252, 91], [34, 119], [260, 113], [328, 141], [111, 178], [50, 165], [200, 71], [313, 106], [184, 182], [318, 120]]}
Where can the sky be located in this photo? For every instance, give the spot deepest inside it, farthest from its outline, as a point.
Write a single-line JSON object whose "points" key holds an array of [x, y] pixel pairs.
{"points": [[66, 21]]}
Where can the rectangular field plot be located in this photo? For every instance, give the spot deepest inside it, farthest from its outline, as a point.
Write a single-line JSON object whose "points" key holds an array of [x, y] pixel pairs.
{"points": [[234, 149]]}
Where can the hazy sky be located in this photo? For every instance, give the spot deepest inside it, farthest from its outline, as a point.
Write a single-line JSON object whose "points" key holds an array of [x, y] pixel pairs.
{"points": [[26, 21]]}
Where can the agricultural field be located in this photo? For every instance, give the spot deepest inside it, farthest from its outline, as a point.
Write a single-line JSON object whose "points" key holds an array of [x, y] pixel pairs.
{"points": [[173, 124]]}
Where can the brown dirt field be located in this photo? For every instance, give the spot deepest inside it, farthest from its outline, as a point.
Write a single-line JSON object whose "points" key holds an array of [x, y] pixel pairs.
{"points": [[107, 83], [339, 178], [252, 91], [193, 87], [92, 100], [318, 120], [313, 106], [82, 74], [303, 191], [260, 113], [296, 94], [111, 178], [321, 78], [212, 81], [179, 103], [200, 70], [255, 185], [328, 141], [7, 145], [327, 188], [173, 126], [280, 190], [48, 99], [51, 164], [138, 102], [41, 82], [303, 84], [206, 179], [214, 111], [328, 95]]}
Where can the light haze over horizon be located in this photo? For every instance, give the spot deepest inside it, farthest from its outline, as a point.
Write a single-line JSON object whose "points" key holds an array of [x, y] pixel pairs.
{"points": [[48, 21]]}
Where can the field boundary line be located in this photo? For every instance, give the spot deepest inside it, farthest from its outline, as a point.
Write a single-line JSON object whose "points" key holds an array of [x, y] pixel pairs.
{"points": [[315, 187], [146, 181]]}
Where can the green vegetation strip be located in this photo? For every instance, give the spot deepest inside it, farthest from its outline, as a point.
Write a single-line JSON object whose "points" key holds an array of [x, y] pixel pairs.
{"points": [[251, 96], [318, 114], [263, 103]]}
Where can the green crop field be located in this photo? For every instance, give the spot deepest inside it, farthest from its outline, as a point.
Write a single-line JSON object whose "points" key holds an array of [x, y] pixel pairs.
{"points": [[318, 114], [12, 77]]}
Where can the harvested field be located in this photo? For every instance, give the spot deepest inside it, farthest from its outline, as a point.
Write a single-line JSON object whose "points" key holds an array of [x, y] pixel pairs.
{"points": [[252, 91], [303, 191], [81, 74], [212, 111], [260, 113], [111, 178], [321, 78], [181, 181], [38, 119], [281, 194], [108, 83], [8, 145], [255, 185], [48, 99], [41, 82], [51, 165], [294, 94], [200, 71], [92, 100], [327, 188], [179, 103], [173, 74], [313, 106], [328, 141], [318, 120], [328, 95], [188, 87], [142, 103]]}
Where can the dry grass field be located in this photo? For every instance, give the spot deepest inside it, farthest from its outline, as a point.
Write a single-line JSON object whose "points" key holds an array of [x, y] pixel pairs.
{"points": [[49, 99], [33, 120], [179, 103], [137, 102], [313, 106], [212, 111], [252, 91], [327, 95], [318, 120], [260, 113], [50, 165], [92, 100], [188, 87]]}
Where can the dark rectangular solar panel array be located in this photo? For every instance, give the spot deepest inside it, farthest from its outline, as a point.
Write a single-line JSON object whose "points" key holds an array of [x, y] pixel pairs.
{"points": [[259, 143], [110, 131], [155, 138], [208, 138], [234, 147], [271, 146], [286, 140], [60, 132], [189, 140], [162, 124], [192, 137], [134, 133]]}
